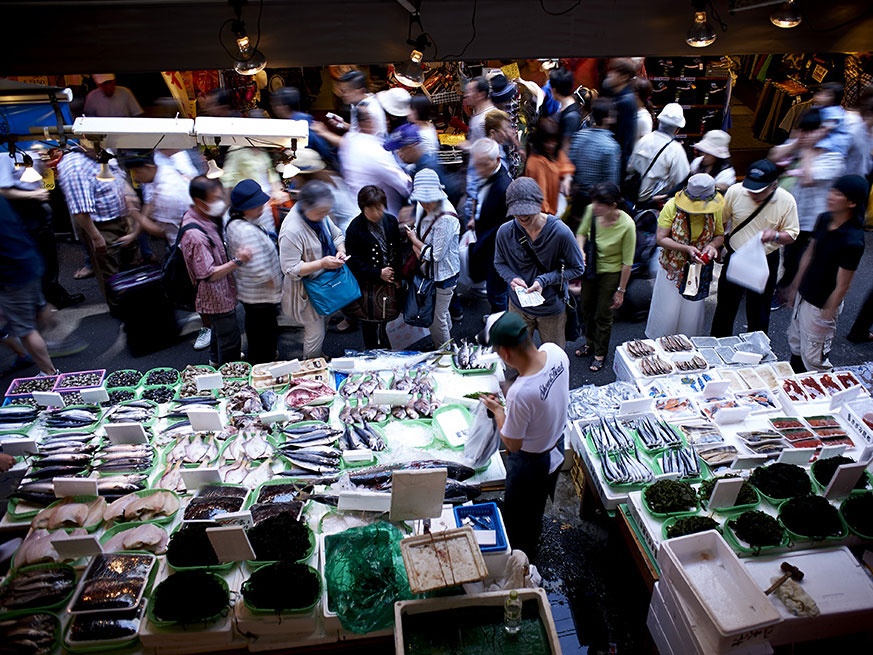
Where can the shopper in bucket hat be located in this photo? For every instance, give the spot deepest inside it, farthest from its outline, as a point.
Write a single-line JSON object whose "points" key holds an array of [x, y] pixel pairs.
{"points": [[659, 159], [714, 159]]}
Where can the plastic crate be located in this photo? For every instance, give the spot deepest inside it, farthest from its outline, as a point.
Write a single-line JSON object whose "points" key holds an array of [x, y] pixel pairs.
{"points": [[487, 511], [12, 391], [62, 385]]}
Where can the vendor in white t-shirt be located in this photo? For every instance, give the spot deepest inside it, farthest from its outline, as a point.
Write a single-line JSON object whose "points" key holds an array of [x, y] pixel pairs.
{"points": [[531, 426]]}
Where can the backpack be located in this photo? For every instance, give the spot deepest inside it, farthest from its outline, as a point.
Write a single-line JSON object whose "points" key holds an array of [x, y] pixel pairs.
{"points": [[175, 279]]}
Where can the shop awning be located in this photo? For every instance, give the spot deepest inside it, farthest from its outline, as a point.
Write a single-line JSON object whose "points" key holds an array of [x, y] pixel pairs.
{"points": [[59, 36]]}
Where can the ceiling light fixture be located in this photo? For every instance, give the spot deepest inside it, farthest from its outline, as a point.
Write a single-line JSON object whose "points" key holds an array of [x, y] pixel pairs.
{"points": [[30, 174], [787, 15], [701, 33], [248, 60]]}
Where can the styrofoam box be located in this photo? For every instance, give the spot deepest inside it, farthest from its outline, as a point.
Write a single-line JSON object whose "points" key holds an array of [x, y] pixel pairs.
{"points": [[710, 580], [835, 581], [662, 641]]}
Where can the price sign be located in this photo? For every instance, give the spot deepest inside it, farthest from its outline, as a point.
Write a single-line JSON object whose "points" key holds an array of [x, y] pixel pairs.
{"points": [[69, 548], [204, 419], [126, 433], [725, 492], [230, 543], [209, 381], [200, 477], [94, 396], [65, 487]]}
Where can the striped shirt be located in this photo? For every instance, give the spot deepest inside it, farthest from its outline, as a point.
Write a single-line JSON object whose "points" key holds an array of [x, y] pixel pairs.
{"points": [[85, 194], [259, 280], [202, 258]]}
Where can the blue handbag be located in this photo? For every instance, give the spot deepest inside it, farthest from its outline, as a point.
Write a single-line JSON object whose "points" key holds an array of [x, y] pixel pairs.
{"points": [[332, 290]]}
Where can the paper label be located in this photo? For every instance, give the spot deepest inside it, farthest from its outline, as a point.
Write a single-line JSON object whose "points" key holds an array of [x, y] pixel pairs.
{"points": [[485, 537], [716, 388], [125, 433], [196, 478], [635, 406], [844, 480], [19, 447], [343, 363], [48, 398], [389, 397], [842, 397], [65, 487], [732, 415], [796, 456], [242, 519], [285, 368], [96, 395], [366, 501], [743, 357], [204, 419], [209, 381], [832, 451], [230, 543], [725, 492], [268, 418], [357, 456], [748, 461], [76, 547], [417, 494]]}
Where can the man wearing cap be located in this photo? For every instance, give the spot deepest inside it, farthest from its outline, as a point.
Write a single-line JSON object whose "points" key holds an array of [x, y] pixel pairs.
{"points": [[536, 252], [825, 275], [259, 281], [108, 99], [661, 155], [408, 143], [531, 425], [755, 208]]}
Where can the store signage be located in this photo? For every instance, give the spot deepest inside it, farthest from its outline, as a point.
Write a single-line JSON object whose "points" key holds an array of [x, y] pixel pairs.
{"points": [[725, 492], [65, 487], [69, 548], [48, 398], [209, 381], [230, 543], [844, 480], [204, 419], [729, 415], [94, 396], [796, 456], [126, 433]]}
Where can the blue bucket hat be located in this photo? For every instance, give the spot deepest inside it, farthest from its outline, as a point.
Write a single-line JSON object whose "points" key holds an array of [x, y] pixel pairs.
{"points": [[248, 194], [426, 187], [407, 134]]}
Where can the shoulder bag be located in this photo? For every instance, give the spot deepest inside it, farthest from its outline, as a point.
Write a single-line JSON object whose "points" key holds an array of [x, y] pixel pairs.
{"points": [[696, 278], [418, 309], [590, 251], [630, 189], [411, 262]]}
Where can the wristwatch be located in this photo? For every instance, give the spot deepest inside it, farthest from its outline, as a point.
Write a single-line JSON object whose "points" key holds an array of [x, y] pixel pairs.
{"points": [[237, 261], [620, 289]]}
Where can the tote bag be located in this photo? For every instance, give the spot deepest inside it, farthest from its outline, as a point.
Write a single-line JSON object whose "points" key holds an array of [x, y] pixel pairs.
{"points": [[332, 290]]}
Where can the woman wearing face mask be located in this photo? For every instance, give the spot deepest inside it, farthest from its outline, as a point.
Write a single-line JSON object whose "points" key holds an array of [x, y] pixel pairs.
{"points": [[259, 282], [309, 244], [202, 246]]}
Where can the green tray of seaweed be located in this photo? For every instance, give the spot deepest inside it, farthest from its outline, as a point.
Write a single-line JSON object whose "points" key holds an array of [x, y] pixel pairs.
{"points": [[747, 491], [200, 621], [742, 546], [703, 522], [793, 477], [684, 495], [245, 589], [808, 505], [865, 481], [227, 566], [864, 509]]}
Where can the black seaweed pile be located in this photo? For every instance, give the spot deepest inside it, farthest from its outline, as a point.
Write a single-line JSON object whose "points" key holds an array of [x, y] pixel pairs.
{"points": [[159, 394], [189, 597], [690, 525], [280, 493], [129, 378], [208, 508], [667, 496], [263, 511], [858, 512], [281, 586], [747, 494], [280, 537], [105, 626], [225, 490], [189, 546], [824, 469], [811, 516], [163, 376], [781, 480], [757, 529]]}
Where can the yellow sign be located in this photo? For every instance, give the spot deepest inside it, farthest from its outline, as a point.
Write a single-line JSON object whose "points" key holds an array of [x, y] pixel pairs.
{"points": [[511, 71], [48, 179], [451, 139]]}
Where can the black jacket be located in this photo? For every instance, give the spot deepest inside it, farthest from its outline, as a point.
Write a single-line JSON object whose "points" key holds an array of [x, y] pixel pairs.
{"points": [[491, 217], [365, 257]]}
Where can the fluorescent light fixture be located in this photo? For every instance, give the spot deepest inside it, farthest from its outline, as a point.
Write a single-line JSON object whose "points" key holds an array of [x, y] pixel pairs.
{"points": [[260, 132]]}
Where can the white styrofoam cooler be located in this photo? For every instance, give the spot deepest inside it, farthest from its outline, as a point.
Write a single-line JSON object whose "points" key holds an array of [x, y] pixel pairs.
{"points": [[835, 581], [709, 580]]}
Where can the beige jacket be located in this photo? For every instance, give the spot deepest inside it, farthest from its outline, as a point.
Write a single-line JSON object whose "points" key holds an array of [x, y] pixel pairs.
{"points": [[299, 244]]}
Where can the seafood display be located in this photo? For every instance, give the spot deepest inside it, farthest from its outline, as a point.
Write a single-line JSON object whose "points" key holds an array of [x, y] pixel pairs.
{"points": [[79, 417], [282, 537], [68, 513], [190, 546], [678, 407], [189, 597], [757, 529], [142, 507], [638, 348], [781, 480], [108, 627], [690, 525], [235, 370], [267, 588], [302, 392], [29, 385], [656, 434], [193, 450], [654, 365], [703, 434], [794, 391], [30, 634], [812, 517], [681, 461], [147, 536], [159, 394], [467, 357], [38, 547], [161, 376], [113, 581], [746, 495], [608, 436], [858, 513], [812, 388], [696, 363], [717, 455], [676, 343], [824, 469], [38, 586], [670, 497], [123, 378], [759, 400], [79, 380], [17, 417], [136, 411], [625, 467]]}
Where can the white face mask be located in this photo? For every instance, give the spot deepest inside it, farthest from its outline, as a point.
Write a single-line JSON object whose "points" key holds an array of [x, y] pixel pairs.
{"points": [[215, 208]]}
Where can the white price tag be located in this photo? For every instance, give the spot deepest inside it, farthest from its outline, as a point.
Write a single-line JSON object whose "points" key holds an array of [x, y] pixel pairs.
{"points": [[748, 461], [832, 451], [209, 381], [230, 543], [716, 389], [744, 357], [635, 406], [842, 397], [65, 487], [268, 418], [126, 433], [796, 456], [343, 364], [285, 368], [96, 395], [242, 519], [358, 456], [204, 419], [417, 494], [196, 478], [76, 547], [729, 415], [844, 480], [725, 492], [48, 398], [364, 501], [19, 447], [389, 397], [485, 537]]}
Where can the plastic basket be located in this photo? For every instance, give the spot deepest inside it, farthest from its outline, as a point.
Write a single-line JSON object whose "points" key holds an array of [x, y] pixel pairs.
{"points": [[12, 390], [60, 386], [473, 371], [663, 515], [821, 488], [38, 567], [134, 390], [703, 475], [125, 370], [672, 521], [842, 508], [144, 380], [245, 376], [299, 610], [486, 511]]}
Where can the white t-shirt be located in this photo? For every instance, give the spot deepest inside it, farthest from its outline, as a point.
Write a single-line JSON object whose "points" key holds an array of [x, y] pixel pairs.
{"points": [[536, 406], [121, 103], [170, 199]]}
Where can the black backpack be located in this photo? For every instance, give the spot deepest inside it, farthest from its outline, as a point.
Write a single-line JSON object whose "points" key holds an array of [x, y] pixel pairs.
{"points": [[174, 275]]}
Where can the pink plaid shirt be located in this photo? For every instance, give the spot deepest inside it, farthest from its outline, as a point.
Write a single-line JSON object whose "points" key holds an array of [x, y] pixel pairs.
{"points": [[202, 258]]}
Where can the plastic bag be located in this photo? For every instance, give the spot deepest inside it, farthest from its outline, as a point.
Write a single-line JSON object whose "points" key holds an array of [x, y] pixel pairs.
{"points": [[365, 575], [747, 266], [483, 438]]}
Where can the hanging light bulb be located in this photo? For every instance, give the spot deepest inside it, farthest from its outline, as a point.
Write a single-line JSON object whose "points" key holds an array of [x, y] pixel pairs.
{"points": [[787, 15], [30, 174], [251, 61], [105, 174], [701, 33], [213, 170]]}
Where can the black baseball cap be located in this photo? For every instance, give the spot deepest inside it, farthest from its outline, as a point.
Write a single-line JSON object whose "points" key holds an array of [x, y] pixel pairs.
{"points": [[761, 175]]}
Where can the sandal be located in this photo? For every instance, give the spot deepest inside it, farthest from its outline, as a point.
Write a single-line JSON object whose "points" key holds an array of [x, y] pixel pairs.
{"points": [[596, 364], [584, 351]]}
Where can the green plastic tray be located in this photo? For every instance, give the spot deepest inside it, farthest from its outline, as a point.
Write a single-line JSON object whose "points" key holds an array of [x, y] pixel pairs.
{"points": [[142, 381], [37, 567], [12, 505], [739, 546], [135, 390], [800, 538], [89, 428], [124, 370], [21, 430], [860, 534], [300, 610], [704, 470], [817, 486], [57, 640], [123, 527], [245, 377], [252, 499], [658, 451], [168, 624], [472, 371], [669, 522], [663, 515], [437, 428]]}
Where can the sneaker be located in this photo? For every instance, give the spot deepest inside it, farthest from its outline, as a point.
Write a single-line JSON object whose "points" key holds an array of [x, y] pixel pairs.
{"points": [[203, 339], [65, 347], [776, 304]]}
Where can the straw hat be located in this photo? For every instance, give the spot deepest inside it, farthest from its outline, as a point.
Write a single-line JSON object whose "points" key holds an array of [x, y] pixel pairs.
{"points": [[700, 196], [395, 101], [715, 143]]}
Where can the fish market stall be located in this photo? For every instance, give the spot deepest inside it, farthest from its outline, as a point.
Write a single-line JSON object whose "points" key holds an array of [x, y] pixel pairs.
{"points": [[163, 505]]}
